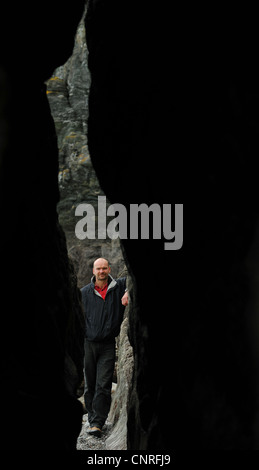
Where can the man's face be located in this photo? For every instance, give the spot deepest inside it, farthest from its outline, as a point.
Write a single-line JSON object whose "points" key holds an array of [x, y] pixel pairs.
{"points": [[101, 269]]}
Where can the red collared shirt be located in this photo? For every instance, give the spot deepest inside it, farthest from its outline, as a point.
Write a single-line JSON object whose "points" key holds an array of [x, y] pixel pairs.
{"points": [[102, 290]]}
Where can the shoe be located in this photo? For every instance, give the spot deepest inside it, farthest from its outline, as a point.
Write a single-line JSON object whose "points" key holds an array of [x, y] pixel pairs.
{"points": [[94, 431]]}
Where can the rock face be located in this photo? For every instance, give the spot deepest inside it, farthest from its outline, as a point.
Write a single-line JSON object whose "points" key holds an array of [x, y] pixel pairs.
{"points": [[67, 92], [118, 415]]}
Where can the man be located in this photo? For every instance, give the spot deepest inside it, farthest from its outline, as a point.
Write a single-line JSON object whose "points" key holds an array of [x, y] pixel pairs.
{"points": [[104, 300]]}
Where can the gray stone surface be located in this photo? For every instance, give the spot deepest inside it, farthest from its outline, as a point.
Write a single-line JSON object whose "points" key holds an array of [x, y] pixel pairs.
{"points": [[117, 439], [67, 92]]}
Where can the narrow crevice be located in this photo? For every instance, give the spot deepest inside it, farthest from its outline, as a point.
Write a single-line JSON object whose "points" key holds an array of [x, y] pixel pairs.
{"points": [[67, 92]]}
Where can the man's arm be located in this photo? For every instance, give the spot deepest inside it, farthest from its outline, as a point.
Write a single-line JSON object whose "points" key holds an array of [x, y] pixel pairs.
{"points": [[125, 299]]}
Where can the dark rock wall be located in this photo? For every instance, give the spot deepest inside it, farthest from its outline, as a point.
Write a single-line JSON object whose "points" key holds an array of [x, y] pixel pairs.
{"points": [[41, 319], [173, 118], [127, 149]]}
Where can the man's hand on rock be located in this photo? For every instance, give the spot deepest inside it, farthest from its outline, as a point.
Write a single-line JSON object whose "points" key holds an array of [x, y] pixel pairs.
{"points": [[125, 299]]}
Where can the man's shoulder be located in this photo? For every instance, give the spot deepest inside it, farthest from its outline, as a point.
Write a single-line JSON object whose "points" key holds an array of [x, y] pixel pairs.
{"points": [[121, 281], [87, 287]]}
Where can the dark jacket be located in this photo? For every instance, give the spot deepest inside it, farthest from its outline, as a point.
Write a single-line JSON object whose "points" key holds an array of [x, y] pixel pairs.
{"points": [[103, 318]]}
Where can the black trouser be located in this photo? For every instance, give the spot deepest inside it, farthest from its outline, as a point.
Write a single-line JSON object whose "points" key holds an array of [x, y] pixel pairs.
{"points": [[98, 368]]}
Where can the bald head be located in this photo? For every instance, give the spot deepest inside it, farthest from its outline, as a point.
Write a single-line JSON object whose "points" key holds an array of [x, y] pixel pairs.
{"points": [[101, 270], [102, 261]]}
